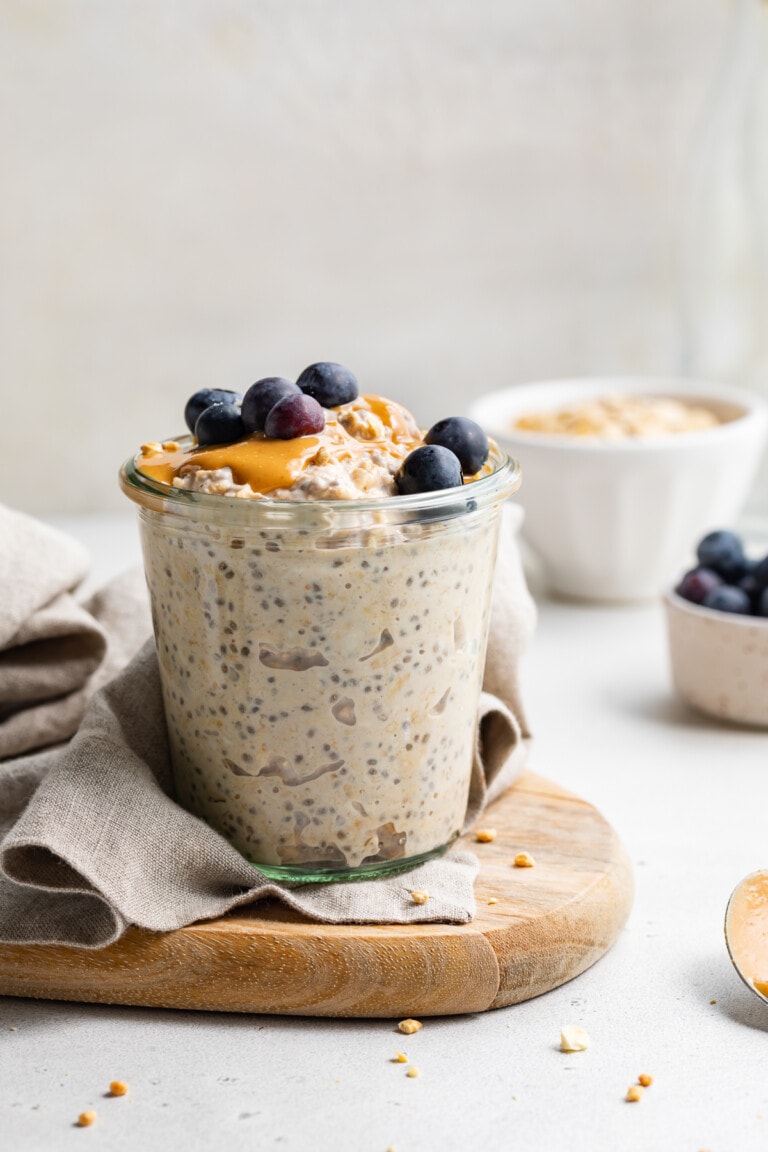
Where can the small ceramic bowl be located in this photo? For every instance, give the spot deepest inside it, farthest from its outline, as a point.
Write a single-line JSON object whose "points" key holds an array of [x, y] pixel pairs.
{"points": [[719, 661], [613, 520]]}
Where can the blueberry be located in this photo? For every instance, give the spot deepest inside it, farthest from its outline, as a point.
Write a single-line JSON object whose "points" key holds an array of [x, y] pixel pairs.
{"points": [[262, 396], [728, 598], [294, 415], [329, 384], [762, 604], [203, 399], [464, 438], [697, 584], [760, 573], [749, 585], [429, 468], [219, 424], [724, 552]]}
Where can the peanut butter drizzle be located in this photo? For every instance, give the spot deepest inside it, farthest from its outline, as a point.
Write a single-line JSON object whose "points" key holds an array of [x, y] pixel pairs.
{"points": [[268, 464]]}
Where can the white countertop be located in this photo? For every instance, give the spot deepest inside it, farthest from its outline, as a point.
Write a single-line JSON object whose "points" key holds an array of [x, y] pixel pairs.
{"points": [[688, 797]]}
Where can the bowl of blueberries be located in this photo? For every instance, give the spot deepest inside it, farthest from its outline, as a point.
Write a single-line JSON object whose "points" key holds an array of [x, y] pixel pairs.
{"points": [[717, 618]]}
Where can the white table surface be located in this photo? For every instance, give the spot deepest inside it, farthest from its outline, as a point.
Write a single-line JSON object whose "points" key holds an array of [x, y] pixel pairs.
{"points": [[690, 800]]}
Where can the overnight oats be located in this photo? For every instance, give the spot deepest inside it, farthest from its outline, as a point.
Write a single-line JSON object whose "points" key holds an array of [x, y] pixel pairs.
{"points": [[320, 574]]}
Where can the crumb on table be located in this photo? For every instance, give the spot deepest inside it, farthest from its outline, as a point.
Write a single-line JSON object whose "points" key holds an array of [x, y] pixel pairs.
{"points": [[419, 897], [118, 1088], [85, 1119], [573, 1039], [409, 1026], [412, 1073], [634, 1094], [524, 860], [645, 1080]]}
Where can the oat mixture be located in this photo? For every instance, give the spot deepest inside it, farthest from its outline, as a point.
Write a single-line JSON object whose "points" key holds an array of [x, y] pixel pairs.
{"points": [[621, 417]]}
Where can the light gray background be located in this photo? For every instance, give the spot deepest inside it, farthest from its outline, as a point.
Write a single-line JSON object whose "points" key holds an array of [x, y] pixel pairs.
{"points": [[447, 195]]}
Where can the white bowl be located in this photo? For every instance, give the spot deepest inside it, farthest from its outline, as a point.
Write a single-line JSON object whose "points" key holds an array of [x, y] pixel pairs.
{"points": [[719, 661], [615, 520]]}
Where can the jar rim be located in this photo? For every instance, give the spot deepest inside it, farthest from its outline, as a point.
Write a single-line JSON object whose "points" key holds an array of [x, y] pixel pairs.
{"points": [[492, 489]]}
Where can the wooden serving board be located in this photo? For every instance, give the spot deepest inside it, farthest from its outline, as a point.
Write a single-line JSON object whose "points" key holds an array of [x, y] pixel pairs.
{"points": [[551, 922]]}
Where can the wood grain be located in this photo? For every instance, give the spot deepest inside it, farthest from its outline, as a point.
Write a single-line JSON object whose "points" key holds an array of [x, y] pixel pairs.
{"points": [[550, 923]]}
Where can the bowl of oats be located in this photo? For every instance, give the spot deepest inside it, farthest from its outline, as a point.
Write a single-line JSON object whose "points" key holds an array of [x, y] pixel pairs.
{"points": [[621, 473]]}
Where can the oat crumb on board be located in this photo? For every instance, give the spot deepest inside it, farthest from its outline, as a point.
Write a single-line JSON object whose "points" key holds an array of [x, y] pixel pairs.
{"points": [[645, 1080], [493, 900], [85, 1119], [409, 1026], [485, 835], [118, 1088], [634, 1094], [412, 1073], [524, 860]]}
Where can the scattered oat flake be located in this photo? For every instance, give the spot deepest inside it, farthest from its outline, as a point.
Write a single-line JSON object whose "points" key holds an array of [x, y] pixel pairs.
{"points": [[85, 1119], [419, 897], [634, 1094], [118, 1088], [412, 1073], [645, 1080], [573, 1039], [400, 1058], [410, 1026], [524, 860], [485, 835], [493, 900]]}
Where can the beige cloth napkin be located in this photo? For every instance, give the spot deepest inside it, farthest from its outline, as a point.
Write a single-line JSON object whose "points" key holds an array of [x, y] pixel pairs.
{"points": [[91, 839]]}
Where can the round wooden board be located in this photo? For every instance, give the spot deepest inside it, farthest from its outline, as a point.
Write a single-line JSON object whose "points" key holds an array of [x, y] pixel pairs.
{"points": [[551, 922]]}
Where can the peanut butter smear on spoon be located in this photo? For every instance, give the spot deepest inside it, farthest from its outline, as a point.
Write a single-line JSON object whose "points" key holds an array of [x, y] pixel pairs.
{"points": [[746, 931]]}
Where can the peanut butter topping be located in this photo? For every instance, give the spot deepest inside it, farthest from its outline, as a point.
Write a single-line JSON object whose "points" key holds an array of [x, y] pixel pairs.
{"points": [[353, 432]]}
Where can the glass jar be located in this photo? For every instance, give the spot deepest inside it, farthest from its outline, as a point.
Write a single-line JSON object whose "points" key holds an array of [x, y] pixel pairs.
{"points": [[321, 664]]}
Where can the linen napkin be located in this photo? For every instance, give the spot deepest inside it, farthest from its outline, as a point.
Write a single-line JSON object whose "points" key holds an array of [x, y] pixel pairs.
{"points": [[92, 841]]}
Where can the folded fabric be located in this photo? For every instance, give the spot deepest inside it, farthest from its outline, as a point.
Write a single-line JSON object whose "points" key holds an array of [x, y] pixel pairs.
{"points": [[55, 651], [92, 840]]}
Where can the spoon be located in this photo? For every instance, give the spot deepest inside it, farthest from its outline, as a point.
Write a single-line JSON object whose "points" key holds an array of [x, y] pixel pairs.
{"points": [[746, 931]]}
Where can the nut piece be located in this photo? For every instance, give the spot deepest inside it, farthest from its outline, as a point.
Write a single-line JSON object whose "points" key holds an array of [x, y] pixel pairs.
{"points": [[573, 1039], [85, 1119], [410, 1026], [634, 1094], [118, 1088], [412, 1073], [485, 835], [419, 897], [524, 860], [645, 1080]]}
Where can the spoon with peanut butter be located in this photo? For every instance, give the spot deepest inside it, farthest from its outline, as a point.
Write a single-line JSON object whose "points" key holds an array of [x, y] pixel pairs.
{"points": [[746, 931]]}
